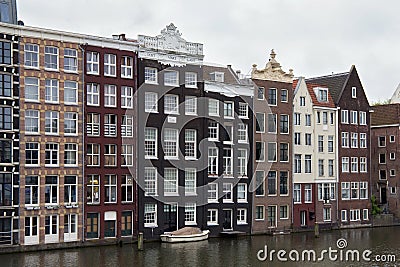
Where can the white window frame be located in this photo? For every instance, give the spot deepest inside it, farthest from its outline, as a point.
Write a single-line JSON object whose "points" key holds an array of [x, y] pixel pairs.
{"points": [[241, 216], [31, 86], [72, 87], [110, 155], [171, 143], [110, 186], [260, 120], [171, 104], [110, 65], [150, 142], [242, 162], [190, 144], [212, 161], [363, 164], [190, 214], [345, 188], [353, 117], [127, 155], [110, 95], [227, 162], [93, 189], [363, 190], [242, 133], [150, 215], [127, 126], [191, 105], [212, 217], [190, 79], [93, 124], [52, 237], [343, 215], [31, 149], [52, 160], [229, 113], [363, 140], [243, 112], [213, 107], [345, 164], [127, 189], [344, 116], [212, 193], [241, 193], [150, 181], [92, 94], [51, 189], [171, 182], [151, 102], [92, 62], [51, 57], [150, 75], [354, 164], [227, 193], [126, 97], [31, 56], [70, 155], [32, 187], [52, 91], [52, 118], [70, 60], [127, 67], [171, 78], [353, 92], [354, 140], [363, 118], [190, 182]]}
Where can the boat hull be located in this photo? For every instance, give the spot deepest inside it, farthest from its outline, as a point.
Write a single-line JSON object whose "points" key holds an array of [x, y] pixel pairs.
{"points": [[168, 238]]}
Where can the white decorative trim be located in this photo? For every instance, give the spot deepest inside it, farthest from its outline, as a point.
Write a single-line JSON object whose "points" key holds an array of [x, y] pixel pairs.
{"points": [[272, 71]]}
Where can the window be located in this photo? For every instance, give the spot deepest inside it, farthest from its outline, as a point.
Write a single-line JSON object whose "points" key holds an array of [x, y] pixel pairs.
{"points": [[242, 133], [284, 152], [31, 153], [93, 189], [110, 95], [190, 79], [308, 119], [228, 109], [51, 154], [92, 124], [354, 190], [212, 192], [242, 162], [284, 95], [260, 191], [6, 189], [126, 97], [320, 143], [110, 155], [326, 192], [381, 141], [345, 190], [392, 172], [70, 189], [31, 89], [92, 63], [126, 223], [92, 97], [213, 131], [51, 228], [272, 183], [353, 92], [343, 215], [271, 152], [227, 163], [284, 124], [260, 122], [190, 181], [242, 193], [150, 215], [260, 151], [190, 105], [297, 193], [213, 107], [327, 214], [227, 134], [330, 143], [363, 164], [325, 118], [353, 116], [365, 212], [331, 118], [260, 93], [127, 155], [126, 188], [110, 65], [51, 58], [212, 217], [150, 143], [93, 155], [126, 67], [354, 215], [5, 151], [308, 163], [283, 183], [190, 214], [70, 60], [190, 144], [297, 119], [227, 193], [31, 190], [308, 139], [51, 190], [217, 76], [170, 181], [354, 164], [318, 117], [5, 118], [321, 167], [272, 96], [392, 139], [171, 103], [170, 143], [363, 190], [363, 140], [150, 181], [382, 174], [51, 122], [243, 110], [150, 75], [345, 139], [322, 95], [363, 118], [92, 225], [330, 168], [212, 161], [241, 216], [70, 93], [382, 158], [302, 101], [110, 125], [345, 164], [307, 193], [259, 213], [272, 123], [297, 137], [110, 186], [151, 102], [70, 154], [297, 163], [171, 78], [31, 52], [127, 126], [31, 121], [345, 116]]}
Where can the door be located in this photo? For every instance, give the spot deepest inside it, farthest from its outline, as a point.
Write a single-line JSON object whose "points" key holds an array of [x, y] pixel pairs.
{"points": [[383, 195], [303, 218], [227, 225], [171, 217]]}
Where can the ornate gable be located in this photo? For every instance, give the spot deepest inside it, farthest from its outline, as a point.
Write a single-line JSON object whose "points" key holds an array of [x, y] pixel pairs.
{"points": [[272, 71]]}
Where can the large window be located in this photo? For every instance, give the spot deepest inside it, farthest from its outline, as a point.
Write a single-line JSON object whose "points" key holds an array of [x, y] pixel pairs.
{"points": [[297, 163], [5, 47], [242, 133], [242, 193], [171, 78], [190, 144], [70, 93], [171, 104], [354, 140], [51, 190], [51, 58], [354, 164], [227, 193], [93, 124], [110, 125], [150, 181], [242, 162], [259, 213], [307, 193], [126, 223], [260, 122], [150, 215], [92, 94], [92, 63], [31, 230], [110, 95], [283, 183], [32, 190], [297, 193], [110, 155], [31, 53], [93, 189], [363, 190], [284, 124], [190, 213], [150, 75], [32, 121], [150, 102], [308, 163], [330, 143], [51, 228], [345, 139], [93, 155], [260, 191], [70, 60], [150, 143], [170, 181], [212, 192], [284, 152], [51, 122], [241, 216], [212, 161], [5, 189], [5, 151], [227, 163], [127, 126], [92, 225], [70, 123], [345, 116], [110, 65], [31, 89], [70, 154], [228, 109], [272, 183], [213, 131], [126, 67], [191, 80], [345, 190], [110, 186], [213, 107], [272, 152], [126, 188], [212, 217], [190, 181], [51, 154], [272, 96], [170, 143], [272, 123], [127, 155], [32, 153], [243, 110], [126, 97], [363, 140], [260, 151], [70, 189], [190, 105]]}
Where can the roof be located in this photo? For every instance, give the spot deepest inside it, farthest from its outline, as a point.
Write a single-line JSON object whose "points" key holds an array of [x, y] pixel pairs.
{"points": [[329, 104], [334, 82], [229, 75], [385, 114]]}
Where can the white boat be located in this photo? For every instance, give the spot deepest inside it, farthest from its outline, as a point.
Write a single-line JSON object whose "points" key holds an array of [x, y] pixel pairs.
{"points": [[185, 235]]}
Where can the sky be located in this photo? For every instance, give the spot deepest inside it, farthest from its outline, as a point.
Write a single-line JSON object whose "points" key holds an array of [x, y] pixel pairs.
{"points": [[312, 37]]}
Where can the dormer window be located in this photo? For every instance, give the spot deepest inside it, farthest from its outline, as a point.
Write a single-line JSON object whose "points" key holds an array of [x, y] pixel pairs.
{"points": [[353, 92], [322, 94], [217, 76]]}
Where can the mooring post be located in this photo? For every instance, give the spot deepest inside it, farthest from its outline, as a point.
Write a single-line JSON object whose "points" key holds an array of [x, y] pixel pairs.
{"points": [[140, 241], [316, 230]]}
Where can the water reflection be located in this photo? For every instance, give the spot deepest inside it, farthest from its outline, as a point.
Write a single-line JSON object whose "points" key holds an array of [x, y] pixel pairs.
{"points": [[215, 252]]}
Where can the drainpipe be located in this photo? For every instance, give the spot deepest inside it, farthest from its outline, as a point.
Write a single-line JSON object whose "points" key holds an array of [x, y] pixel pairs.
{"points": [[338, 143], [82, 48]]}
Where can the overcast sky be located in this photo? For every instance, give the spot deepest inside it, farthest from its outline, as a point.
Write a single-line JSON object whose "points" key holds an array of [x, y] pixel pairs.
{"points": [[313, 37]]}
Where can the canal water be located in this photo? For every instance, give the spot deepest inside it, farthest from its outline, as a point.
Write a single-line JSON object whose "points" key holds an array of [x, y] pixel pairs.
{"points": [[227, 252]]}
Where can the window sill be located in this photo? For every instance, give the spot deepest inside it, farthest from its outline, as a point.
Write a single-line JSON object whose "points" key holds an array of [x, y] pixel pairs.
{"points": [[191, 114], [227, 201], [241, 223], [31, 68], [242, 201], [71, 71], [190, 223], [147, 157], [151, 111], [92, 73], [191, 86], [190, 158], [212, 224], [126, 77], [69, 104], [171, 158], [52, 70], [150, 225], [32, 101], [212, 201], [151, 82]]}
